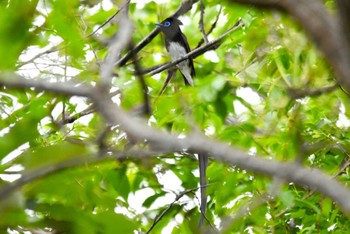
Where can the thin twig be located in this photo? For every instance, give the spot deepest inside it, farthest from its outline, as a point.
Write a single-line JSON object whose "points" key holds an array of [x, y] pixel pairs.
{"points": [[110, 18], [201, 22], [170, 75], [48, 51], [161, 215], [117, 44], [138, 73], [212, 27], [30, 176]]}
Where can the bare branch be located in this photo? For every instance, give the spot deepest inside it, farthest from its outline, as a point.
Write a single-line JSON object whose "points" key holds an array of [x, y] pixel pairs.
{"points": [[201, 22], [213, 25], [275, 4], [13, 81], [159, 140], [171, 73], [296, 94], [110, 18], [48, 51], [138, 73], [344, 15], [139, 130], [177, 198], [116, 46]]}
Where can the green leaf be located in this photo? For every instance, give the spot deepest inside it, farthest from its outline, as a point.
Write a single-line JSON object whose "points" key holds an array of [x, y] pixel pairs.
{"points": [[25, 130], [15, 34], [53, 154], [287, 198], [326, 206], [111, 223], [150, 200], [120, 181], [64, 20]]}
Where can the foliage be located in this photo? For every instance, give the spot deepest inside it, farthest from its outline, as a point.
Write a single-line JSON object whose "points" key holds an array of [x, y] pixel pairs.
{"points": [[244, 95]]}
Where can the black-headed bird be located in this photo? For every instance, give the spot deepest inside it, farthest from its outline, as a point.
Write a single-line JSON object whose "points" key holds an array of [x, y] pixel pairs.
{"points": [[177, 46]]}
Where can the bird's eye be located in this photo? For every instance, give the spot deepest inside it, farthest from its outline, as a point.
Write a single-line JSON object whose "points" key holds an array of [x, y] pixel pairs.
{"points": [[166, 24]]}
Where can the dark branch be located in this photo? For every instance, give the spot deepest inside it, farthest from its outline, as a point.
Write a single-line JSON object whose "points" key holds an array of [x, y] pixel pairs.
{"points": [[159, 217], [201, 22], [211, 28], [296, 93], [344, 14], [138, 73]]}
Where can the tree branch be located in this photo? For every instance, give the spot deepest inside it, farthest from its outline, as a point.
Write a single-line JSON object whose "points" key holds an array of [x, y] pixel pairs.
{"points": [[165, 142], [177, 198], [144, 87], [213, 25], [116, 45], [14, 81], [296, 93], [110, 18], [79, 160], [344, 15], [201, 22], [159, 140]]}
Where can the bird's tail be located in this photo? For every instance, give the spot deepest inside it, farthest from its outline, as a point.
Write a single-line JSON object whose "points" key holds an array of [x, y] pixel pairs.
{"points": [[203, 163]]}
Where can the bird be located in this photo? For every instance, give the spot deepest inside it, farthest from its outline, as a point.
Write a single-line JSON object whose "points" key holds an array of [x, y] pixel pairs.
{"points": [[177, 45]]}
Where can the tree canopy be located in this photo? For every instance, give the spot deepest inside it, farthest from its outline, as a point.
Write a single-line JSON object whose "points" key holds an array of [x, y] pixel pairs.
{"points": [[88, 144]]}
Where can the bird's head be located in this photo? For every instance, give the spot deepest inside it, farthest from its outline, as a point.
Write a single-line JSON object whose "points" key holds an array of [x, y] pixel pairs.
{"points": [[170, 26]]}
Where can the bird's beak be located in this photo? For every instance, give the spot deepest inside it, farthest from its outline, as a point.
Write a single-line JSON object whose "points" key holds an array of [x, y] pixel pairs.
{"points": [[159, 24]]}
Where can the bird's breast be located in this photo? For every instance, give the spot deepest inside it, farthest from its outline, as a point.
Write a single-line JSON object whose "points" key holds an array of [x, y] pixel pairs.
{"points": [[176, 51]]}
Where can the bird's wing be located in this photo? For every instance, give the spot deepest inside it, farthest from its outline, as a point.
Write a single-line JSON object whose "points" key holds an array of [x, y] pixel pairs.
{"points": [[187, 47]]}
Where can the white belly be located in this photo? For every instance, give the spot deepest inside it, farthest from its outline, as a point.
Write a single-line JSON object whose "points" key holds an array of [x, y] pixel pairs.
{"points": [[176, 51]]}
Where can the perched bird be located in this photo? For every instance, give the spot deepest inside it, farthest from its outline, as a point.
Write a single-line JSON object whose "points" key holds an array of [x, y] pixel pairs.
{"points": [[177, 46]]}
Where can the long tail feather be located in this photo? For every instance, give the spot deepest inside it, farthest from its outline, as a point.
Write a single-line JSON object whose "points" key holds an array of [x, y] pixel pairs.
{"points": [[203, 164]]}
